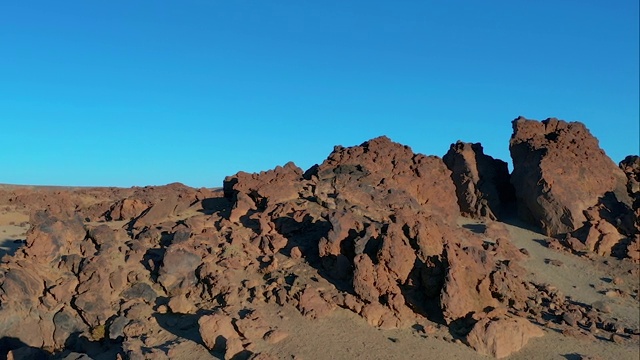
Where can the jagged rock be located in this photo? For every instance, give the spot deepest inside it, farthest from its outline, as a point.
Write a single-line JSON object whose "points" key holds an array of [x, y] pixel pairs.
{"points": [[631, 168], [312, 305], [216, 330], [51, 237], [559, 170], [265, 188], [179, 304], [127, 209], [467, 283], [140, 290], [482, 182], [381, 172], [66, 322], [177, 273]]}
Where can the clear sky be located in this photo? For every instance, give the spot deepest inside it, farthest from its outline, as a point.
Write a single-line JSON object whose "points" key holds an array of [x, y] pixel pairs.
{"points": [[145, 92]]}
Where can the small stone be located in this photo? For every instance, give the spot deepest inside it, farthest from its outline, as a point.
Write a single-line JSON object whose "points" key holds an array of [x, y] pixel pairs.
{"points": [[296, 253], [617, 338], [602, 307], [181, 305], [571, 318], [611, 293], [275, 336], [554, 262]]}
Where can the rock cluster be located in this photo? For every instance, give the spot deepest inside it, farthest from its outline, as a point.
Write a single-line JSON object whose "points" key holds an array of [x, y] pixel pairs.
{"points": [[136, 272], [568, 186]]}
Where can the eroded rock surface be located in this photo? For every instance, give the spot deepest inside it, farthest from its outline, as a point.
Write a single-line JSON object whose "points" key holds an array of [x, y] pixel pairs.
{"points": [[482, 183], [559, 170]]}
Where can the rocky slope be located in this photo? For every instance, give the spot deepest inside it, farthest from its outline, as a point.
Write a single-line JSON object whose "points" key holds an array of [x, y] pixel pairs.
{"points": [[176, 272]]}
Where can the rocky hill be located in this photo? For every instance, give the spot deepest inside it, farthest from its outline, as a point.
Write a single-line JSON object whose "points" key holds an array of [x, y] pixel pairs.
{"points": [[426, 245]]}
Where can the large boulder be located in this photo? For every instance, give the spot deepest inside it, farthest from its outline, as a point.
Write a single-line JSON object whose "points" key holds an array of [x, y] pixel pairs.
{"points": [[559, 170], [501, 337], [266, 187], [482, 182]]}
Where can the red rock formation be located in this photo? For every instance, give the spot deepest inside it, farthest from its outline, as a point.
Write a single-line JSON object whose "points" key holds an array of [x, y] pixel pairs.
{"points": [[482, 182], [372, 229], [501, 337], [388, 218], [560, 171]]}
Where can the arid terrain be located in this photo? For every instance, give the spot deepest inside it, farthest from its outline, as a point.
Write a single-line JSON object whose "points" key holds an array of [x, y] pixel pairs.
{"points": [[375, 253]]}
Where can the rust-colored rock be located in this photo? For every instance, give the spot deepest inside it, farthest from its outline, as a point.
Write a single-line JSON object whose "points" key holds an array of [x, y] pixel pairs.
{"points": [[216, 331], [502, 337], [135, 272], [482, 182], [559, 171]]}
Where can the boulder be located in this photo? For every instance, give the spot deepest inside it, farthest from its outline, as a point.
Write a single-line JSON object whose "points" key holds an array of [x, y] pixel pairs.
{"points": [[559, 171], [216, 331], [501, 337]]}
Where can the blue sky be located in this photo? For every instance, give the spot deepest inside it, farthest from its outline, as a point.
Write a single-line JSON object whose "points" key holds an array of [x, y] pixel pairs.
{"points": [[126, 93]]}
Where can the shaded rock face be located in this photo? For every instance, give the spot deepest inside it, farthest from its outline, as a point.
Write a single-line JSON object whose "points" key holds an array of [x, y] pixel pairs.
{"points": [[559, 170], [482, 182], [631, 168]]}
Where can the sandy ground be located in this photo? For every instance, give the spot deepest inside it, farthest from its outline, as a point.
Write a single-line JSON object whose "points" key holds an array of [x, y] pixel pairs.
{"points": [[344, 335]]}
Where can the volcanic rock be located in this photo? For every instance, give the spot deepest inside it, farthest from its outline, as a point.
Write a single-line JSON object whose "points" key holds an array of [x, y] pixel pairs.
{"points": [[378, 218], [482, 182], [372, 229], [631, 167], [559, 170], [216, 330], [501, 337]]}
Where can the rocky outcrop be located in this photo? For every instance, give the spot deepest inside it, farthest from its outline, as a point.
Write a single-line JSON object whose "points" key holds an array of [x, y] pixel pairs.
{"points": [[559, 171], [168, 271], [379, 220], [631, 168], [482, 182]]}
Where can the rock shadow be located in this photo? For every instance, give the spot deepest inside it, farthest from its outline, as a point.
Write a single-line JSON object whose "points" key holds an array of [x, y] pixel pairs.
{"points": [[10, 246], [476, 228], [20, 349], [184, 326], [216, 205]]}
